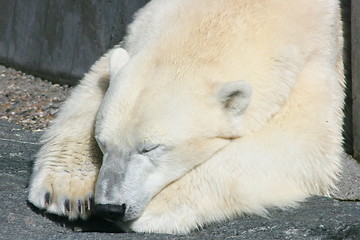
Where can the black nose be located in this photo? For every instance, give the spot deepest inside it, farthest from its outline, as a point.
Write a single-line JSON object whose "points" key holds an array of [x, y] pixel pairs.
{"points": [[110, 211]]}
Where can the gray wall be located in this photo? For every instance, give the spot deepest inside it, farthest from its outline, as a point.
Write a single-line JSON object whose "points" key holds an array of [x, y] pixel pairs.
{"points": [[348, 131], [60, 39], [355, 39]]}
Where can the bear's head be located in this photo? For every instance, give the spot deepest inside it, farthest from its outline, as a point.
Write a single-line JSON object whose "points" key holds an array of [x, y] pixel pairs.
{"points": [[159, 120]]}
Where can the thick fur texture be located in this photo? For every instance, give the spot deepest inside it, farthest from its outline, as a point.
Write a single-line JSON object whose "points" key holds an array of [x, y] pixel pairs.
{"points": [[211, 109]]}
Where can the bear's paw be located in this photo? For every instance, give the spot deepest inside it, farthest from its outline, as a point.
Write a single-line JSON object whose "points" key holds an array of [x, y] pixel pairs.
{"points": [[64, 189]]}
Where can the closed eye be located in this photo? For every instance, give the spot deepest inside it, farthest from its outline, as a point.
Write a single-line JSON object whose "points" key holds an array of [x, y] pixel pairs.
{"points": [[148, 148]]}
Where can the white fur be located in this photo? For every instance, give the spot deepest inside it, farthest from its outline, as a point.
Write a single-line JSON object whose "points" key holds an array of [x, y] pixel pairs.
{"points": [[215, 108]]}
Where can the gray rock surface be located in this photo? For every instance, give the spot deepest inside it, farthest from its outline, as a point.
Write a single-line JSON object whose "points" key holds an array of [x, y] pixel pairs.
{"points": [[318, 218], [349, 184]]}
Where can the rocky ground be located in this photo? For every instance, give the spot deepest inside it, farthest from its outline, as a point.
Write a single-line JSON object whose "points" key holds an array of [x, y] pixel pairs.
{"points": [[27, 100], [27, 105]]}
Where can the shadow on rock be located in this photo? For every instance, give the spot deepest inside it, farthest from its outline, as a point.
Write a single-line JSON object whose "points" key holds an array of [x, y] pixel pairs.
{"points": [[93, 224]]}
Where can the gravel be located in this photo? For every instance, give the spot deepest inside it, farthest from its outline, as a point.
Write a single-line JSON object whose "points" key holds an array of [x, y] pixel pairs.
{"points": [[29, 101], [349, 182]]}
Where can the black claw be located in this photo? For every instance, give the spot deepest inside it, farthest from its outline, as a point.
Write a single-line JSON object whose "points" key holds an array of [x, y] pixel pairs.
{"points": [[67, 205], [89, 203], [80, 205], [47, 198]]}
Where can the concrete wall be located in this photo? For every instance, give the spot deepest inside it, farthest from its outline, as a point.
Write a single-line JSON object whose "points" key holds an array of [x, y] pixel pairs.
{"points": [[348, 131], [60, 39], [355, 62]]}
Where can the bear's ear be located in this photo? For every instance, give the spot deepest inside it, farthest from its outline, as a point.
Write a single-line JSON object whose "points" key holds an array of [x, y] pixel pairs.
{"points": [[119, 57], [235, 96]]}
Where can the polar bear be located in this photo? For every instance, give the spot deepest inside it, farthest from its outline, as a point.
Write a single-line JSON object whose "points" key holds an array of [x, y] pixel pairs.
{"points": [[207, 110]]}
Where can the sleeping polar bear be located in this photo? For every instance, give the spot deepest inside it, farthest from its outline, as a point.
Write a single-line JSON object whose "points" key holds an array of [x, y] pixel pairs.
{"points": [[209, 109]]}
